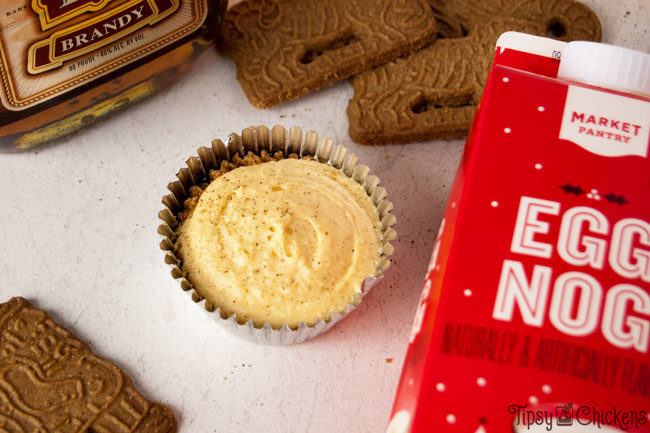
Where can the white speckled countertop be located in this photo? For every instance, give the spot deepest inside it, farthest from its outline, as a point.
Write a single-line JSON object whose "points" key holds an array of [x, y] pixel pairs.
{"points": [[78, 239]]}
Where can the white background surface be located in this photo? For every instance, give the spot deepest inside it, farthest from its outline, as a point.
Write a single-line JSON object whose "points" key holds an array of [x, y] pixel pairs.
{"points": [[78, 239]]}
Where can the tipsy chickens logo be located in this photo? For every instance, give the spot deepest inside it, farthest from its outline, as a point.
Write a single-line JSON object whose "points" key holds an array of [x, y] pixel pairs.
{"points": [[606, 124], [564, 417]]}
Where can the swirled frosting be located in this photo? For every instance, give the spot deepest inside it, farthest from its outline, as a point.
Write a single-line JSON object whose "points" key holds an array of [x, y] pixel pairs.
{"points": [[282, 242]]}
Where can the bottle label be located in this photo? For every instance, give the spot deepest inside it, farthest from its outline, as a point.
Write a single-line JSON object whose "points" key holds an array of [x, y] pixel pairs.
{"points": [[48, 47]]}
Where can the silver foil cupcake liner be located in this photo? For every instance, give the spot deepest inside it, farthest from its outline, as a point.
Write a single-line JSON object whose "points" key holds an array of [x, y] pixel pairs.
{"points": [[255, 140]]}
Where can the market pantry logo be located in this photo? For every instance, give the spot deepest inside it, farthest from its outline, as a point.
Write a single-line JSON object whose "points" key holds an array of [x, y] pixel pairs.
{"points": [[97, 31], [605, 123], [602, 127]]}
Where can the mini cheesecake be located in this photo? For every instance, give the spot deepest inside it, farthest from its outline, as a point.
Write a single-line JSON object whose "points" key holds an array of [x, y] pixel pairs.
{"points": [[279, 240]]}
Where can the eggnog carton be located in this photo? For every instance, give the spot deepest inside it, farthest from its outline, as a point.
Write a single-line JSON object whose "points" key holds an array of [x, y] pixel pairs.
{"points": [[535, 312]]}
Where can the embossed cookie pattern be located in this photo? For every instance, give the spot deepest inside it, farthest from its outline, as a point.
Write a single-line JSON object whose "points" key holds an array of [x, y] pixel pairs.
{"points": [[284, 49], [50, 382], [434, 92]]}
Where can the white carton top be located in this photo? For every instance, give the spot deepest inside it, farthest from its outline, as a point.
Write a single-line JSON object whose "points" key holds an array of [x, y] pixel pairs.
{"points": [[606, 66], [530, 44]]}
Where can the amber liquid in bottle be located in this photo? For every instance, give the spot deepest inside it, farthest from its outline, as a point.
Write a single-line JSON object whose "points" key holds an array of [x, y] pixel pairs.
{"points": [[77, 62]]}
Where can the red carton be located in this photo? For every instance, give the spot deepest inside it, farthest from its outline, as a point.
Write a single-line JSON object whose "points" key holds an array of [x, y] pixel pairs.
{"points": [[535, 313]]}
